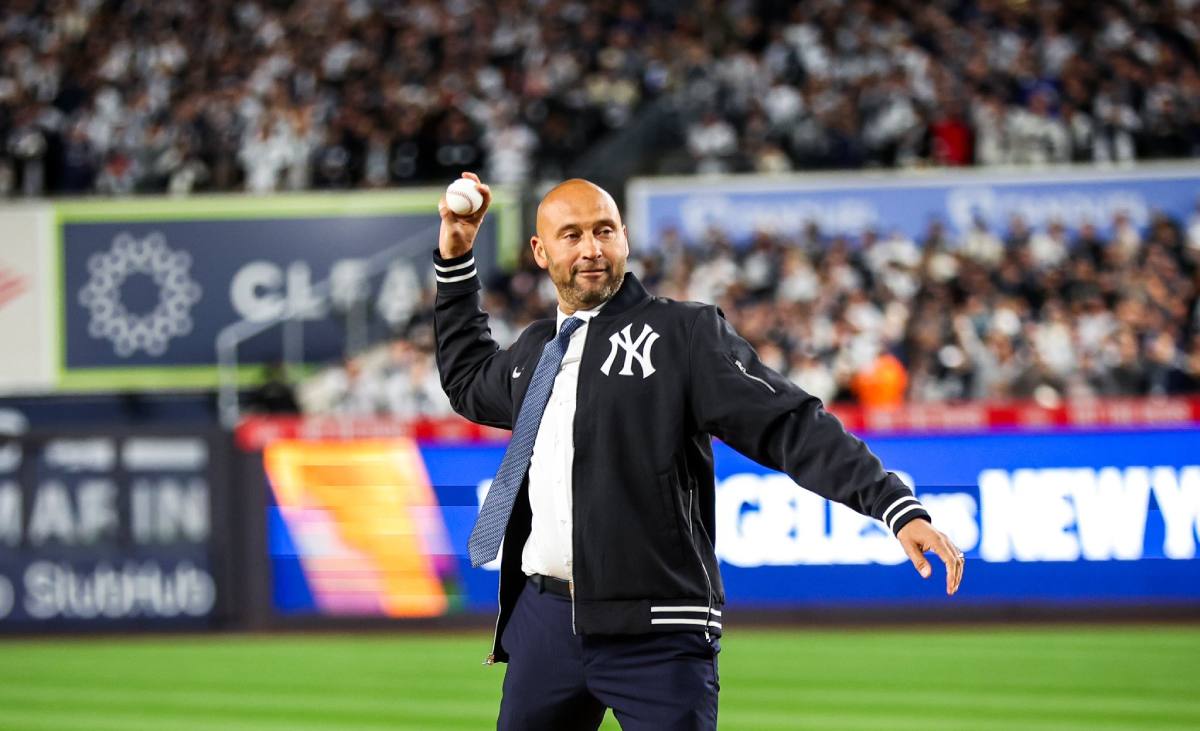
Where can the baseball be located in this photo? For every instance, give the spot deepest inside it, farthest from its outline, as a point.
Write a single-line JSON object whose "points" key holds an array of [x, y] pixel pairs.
{"points": [[462, 197]]}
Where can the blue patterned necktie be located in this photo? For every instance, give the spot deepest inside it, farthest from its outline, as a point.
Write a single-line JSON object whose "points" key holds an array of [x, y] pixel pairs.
{"points": [[485, 539]]}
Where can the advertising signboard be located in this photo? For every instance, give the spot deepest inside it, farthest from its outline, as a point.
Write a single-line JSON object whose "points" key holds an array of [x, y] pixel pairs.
{"points": [[1058, 518], [850, 203], [109, 531], [147, 285], [355, 529]]}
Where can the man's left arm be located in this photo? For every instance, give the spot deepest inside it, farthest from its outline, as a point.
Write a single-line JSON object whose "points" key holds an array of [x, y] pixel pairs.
{"points": [[768, 418]]}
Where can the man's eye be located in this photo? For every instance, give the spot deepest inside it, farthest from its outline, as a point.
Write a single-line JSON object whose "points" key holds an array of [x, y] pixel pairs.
{"points": [[606, 232]]}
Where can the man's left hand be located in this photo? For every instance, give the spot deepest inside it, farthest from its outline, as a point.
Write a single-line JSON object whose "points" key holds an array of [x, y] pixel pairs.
{"points": [[917, 537]]}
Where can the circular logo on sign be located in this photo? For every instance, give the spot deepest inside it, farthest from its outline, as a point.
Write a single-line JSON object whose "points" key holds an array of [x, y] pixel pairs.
{"points": [[170, 316]]}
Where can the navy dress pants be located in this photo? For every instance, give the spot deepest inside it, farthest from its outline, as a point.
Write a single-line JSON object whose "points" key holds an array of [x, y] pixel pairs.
{"points": [[560, 681]]}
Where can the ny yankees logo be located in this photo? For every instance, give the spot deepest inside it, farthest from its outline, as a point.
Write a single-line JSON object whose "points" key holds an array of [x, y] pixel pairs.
{"points": [[639, 349]]}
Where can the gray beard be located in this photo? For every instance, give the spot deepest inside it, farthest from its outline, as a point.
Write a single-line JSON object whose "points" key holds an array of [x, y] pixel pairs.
{"points": [[582, 299]]}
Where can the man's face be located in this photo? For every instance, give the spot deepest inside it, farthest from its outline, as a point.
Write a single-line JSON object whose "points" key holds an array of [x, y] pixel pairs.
{"points": [[581, 243]]}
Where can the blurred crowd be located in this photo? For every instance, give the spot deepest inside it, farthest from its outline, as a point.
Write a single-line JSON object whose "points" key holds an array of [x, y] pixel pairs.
{"points": [[143, 96], [138, 96], [949, 82], [1001, 312], [123, 96]]}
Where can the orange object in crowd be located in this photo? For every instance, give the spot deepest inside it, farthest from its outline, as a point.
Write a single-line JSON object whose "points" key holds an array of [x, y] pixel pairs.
{"points": [[882, 383]]}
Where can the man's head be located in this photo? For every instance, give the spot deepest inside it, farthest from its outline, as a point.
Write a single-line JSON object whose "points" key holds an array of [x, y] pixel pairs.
{"points": [[581, 242]]}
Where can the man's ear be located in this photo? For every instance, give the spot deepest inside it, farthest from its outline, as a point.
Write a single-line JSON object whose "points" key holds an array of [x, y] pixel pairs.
{"points": [[539, 252]]}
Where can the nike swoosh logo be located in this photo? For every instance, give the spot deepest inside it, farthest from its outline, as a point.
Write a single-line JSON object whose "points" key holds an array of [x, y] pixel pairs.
{"points": [[516, 372]]}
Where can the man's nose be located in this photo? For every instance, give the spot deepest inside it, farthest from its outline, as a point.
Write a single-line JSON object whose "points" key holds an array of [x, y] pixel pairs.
{"points": [[591, 247]]}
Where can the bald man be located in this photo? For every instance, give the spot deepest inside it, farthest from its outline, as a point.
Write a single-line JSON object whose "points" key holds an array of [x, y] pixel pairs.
{"points": [[610, 590]]}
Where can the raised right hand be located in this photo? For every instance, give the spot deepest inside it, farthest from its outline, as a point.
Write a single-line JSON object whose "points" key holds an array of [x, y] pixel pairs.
{"points": [[457, 234]]}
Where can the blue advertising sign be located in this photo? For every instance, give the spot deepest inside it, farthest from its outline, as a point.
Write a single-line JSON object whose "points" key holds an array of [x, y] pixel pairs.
{"points": [[1087, 517], [1065, 516], [147, 288], [850, 203]]}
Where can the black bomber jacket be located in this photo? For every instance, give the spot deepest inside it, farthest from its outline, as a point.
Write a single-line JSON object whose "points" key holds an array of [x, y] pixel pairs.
{"points": [[657, 380]]}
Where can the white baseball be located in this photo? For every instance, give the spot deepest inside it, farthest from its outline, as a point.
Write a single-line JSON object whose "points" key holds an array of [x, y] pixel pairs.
{"points": [[462, 197]]}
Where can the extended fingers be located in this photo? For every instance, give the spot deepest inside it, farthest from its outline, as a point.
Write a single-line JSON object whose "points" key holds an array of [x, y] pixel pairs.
{"points": [[954, 560], [917, 557], [917, 537]]}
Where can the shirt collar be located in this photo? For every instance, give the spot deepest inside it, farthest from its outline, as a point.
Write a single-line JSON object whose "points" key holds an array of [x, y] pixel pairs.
{"points": [[584, 315]]}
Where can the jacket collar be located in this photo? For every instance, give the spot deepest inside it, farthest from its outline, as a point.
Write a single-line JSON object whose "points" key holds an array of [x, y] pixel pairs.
{"points": [[584, 315], [630, 294]]}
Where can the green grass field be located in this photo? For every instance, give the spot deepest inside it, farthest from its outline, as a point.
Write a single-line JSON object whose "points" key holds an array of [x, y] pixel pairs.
{"points": [[959, 679]]}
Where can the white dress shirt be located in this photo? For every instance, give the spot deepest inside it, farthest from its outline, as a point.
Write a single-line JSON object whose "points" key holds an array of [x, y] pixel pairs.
{"points": [[548, 549]]}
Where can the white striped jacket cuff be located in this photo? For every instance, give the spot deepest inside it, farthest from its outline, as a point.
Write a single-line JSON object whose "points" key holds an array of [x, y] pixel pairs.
{"points": [[901, 511], [456, 274]]}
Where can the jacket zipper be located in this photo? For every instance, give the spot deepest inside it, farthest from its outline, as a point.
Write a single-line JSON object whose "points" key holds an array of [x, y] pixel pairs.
{"points": [[746, 373], [491, 658], [707, 580], [575, 420]]}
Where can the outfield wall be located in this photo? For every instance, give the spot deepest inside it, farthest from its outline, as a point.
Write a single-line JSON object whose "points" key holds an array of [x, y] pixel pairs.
{"points": [[1071, 519], [303, 524]]}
